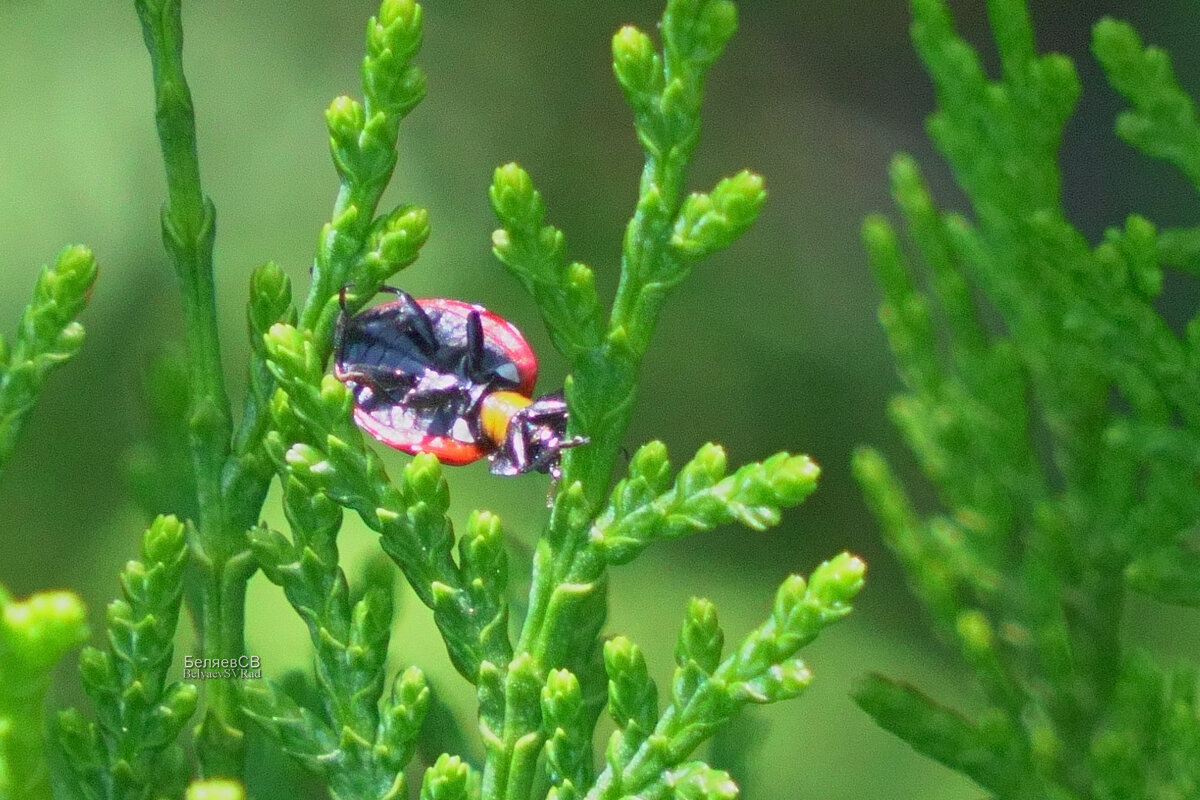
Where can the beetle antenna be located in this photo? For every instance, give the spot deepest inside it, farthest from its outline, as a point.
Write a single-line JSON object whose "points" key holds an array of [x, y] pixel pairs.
{"points": [[339, 330]]}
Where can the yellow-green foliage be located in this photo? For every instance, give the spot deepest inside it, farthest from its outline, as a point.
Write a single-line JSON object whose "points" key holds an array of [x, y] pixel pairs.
{"points": [[542, 691]]}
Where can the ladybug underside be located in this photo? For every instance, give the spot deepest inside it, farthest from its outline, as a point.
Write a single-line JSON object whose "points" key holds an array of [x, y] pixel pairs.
{"points": [[453, 379], [416, 386]]}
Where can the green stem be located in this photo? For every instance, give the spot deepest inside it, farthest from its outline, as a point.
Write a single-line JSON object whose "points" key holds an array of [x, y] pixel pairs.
{"points": [[188, 232], [610, 371], [341, 242], [647, 240], [607, 373], [221, 732], [14, 411], [562, 557], [246, 478]]}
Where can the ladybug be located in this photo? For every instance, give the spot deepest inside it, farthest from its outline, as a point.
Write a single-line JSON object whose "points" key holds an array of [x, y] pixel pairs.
{"points": [[450, 378]]}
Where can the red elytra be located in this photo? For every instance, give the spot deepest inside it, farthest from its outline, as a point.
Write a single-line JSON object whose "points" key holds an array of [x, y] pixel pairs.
{"points": [[387, 328], [448, 451]]}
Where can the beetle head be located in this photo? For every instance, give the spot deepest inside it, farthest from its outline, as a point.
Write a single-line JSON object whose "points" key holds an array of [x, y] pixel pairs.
{"points": [[537, 435]]}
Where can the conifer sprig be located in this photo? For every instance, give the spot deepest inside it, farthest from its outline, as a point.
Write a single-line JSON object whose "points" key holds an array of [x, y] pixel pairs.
{"points": [[130, 752], [646, 756], [35, 634], [318, 445], [667, 235], [47, 336], [1055, 412], [230, 472], [542, 693], [360, 748]]}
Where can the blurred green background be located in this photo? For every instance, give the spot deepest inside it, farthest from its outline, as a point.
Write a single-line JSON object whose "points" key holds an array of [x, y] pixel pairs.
{"points": [[770, 345]]}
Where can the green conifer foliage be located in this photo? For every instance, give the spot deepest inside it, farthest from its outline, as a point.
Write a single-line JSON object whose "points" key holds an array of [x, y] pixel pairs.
{"points": [[541, 669], [541, 691], [1058, 416]]}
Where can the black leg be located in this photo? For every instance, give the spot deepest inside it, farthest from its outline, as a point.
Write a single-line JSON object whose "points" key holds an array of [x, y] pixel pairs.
{"points": [[431, 390], [473, 358], [418, 320], [368, 375]]}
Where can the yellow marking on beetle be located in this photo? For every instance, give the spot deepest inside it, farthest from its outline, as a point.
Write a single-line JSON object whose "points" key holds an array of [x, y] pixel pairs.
{"points": [[497, 411]]}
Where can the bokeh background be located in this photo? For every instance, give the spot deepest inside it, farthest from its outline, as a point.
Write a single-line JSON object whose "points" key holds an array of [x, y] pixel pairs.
{"points": [[770, 345]]}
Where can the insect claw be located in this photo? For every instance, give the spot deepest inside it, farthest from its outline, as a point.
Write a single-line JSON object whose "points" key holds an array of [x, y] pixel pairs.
{"points": [[418, 320]]}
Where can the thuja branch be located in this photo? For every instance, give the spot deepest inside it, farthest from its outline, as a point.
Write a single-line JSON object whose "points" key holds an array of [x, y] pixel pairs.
{"points": [[47, 336], [667, 235], [322, 456], [1048, 526], [646, 755], [545, 693], [664, 238], [188, 231], [34, 634], [232, 474], [130, 752], [355, 247], [317, 444], [360, 751], [297, 425]]}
